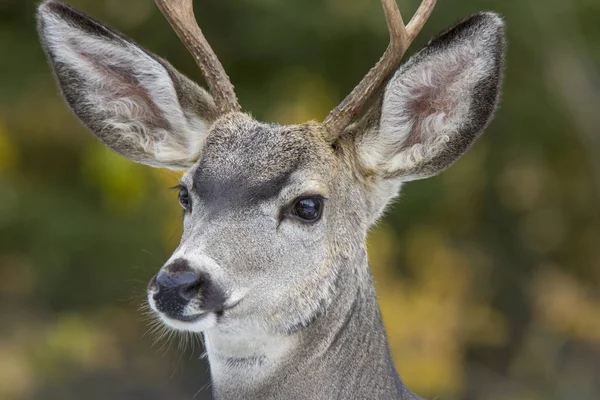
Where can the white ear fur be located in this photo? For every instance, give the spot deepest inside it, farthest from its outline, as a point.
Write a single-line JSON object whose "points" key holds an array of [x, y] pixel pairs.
{"points": [[431, 111], [124, 95]]}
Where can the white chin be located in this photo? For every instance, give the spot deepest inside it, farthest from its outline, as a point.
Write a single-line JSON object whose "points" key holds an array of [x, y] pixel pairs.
{"points": [[203, 323]]}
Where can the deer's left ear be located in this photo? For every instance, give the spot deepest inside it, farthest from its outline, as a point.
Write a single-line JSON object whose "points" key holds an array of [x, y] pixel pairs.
{"points": [[438, 103], [134, 102]]}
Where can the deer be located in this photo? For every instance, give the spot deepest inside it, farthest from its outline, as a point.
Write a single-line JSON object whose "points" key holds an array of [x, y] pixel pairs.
{"points": [[272, 267]]}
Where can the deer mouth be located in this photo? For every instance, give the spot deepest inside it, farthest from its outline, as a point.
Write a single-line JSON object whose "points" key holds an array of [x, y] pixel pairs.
{"points": [[188, 318], [182, 320], [198, 323]]}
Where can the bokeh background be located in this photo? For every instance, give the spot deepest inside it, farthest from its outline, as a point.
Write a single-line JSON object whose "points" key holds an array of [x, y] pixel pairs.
{"points": [[488, 275]]}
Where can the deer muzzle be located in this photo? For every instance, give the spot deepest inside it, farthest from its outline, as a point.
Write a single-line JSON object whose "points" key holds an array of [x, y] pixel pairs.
{"points": [[184, 294]]}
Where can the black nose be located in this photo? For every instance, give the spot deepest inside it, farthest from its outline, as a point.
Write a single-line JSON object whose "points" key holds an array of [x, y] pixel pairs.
{"points": [[176, 285], [185, 284]]}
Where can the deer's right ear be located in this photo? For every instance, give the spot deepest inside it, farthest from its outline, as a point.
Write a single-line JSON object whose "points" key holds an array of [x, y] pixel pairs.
{"points": [[134, 102], [438, 103]]}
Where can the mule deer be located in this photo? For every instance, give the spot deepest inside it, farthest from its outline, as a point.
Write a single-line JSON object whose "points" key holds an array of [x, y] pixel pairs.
{"points": [[272, 265]]}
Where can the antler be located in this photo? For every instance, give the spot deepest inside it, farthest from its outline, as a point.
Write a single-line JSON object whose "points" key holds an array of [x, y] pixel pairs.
{"points": [[180, 14], [401, 37]]}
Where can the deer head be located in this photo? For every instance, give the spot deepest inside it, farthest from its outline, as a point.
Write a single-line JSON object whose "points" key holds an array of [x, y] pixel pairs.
{"points": [[275, 216]]}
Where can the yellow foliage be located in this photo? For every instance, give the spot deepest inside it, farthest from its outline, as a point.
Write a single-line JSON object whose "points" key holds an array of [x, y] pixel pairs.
{"points": [[9, 153], [564, 305], [300, 96], [431, 320], [15, 372], [122, 182], [172, 214], [75, 339]]}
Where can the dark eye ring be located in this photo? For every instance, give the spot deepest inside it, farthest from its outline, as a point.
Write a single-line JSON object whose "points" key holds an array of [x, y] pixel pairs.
{"points": [[184, 198], [308, 209]]}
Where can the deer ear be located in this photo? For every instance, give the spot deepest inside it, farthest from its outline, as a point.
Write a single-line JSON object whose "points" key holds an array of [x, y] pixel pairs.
{"points": [[134, 102], [438, 103]]}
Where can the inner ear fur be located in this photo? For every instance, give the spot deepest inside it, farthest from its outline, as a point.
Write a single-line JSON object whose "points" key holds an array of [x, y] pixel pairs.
{"points": [[437, 104], [133, 101]]}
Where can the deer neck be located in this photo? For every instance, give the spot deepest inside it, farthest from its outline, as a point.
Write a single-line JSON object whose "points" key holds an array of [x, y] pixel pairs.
{"points": [[342, 354]]}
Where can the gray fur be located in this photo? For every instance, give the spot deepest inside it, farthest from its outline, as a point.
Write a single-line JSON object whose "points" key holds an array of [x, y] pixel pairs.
{"points": [[292, 311]]}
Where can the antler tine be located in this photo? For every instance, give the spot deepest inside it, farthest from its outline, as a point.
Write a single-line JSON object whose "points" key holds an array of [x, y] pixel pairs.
{"points": [[180, 14], [419, 19], [401, 37]]}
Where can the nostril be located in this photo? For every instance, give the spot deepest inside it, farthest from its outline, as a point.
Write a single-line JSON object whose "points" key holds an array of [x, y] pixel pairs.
{"points": [[164, 280], [182, 285], [190, 291]]}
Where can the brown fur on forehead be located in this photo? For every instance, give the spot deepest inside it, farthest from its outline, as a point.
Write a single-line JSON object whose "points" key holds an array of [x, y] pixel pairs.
{"points": [[245, 161]]}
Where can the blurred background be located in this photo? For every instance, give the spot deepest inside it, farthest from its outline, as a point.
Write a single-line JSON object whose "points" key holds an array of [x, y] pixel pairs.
{"points": [[488, 275]]}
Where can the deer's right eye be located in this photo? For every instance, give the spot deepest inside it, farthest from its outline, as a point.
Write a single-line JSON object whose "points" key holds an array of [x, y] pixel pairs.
{"points": [[184, 198]]}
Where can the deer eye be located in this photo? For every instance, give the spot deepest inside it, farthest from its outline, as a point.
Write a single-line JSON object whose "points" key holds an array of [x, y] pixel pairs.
{"points": [[184, 198], [308, 209]]}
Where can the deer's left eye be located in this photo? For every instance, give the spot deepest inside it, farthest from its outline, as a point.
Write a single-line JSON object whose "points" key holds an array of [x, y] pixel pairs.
{"points": [[308, 209], [184, 198]]}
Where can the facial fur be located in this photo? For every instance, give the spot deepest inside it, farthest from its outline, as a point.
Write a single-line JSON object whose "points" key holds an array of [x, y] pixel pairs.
{"points": [[281, 271], [244, 263]]}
